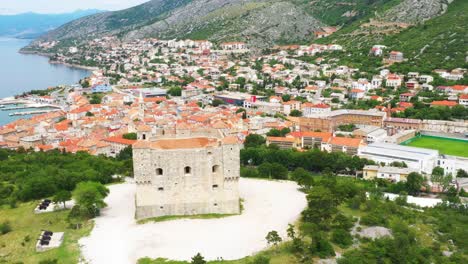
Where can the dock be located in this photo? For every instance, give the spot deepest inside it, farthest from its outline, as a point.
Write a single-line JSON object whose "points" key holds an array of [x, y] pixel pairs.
{"points": [[32, 112]]}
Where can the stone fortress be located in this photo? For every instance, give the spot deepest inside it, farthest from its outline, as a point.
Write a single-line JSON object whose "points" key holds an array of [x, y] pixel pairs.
{"points": [[186, 176]]}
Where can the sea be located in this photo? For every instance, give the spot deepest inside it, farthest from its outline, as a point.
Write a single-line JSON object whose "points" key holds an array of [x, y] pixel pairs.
{"points": [[20, 73]]}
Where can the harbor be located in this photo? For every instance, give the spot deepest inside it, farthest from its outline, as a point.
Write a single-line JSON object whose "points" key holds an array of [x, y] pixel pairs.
{"points": [[12, 109], [31, 112]]}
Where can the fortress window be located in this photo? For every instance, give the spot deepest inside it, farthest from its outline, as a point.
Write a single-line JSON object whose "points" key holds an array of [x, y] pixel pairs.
{"points": [[215, 186], [160, 189], [215, 169], [215, 204], [159, 171], [187, 170], [144, 136]]}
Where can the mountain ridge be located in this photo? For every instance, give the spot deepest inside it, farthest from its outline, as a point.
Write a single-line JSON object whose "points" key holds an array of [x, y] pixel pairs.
{"points": [[30, 24], [261, 23]]}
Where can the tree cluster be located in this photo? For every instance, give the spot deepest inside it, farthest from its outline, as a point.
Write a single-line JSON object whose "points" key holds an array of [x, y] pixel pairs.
{"points": [[312, 160], [29, 175]]}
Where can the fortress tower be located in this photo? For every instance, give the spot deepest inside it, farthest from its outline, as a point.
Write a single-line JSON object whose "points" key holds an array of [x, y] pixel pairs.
{"points": [[186, 176]]}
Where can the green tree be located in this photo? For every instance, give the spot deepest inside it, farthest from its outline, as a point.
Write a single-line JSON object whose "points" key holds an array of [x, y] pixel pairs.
{"points": [[247, 172], [302, 177], [90, 196], [452, 195], [131, 136], [399, 164], [460, 173], [62, 197], [295, 112], [217, 102], [321, 247], [254, 140], [286, 97], [342, 238], [77, 216], [198, 259], [440, 178], [273, 171], [438, 171], [322, 206], [175, 91], [95, 99], [85, 83], [273, 238], [414, 182]]}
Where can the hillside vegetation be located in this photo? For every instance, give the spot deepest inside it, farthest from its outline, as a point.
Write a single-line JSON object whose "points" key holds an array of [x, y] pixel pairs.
{"points": [[261, 23], [441, 42]]}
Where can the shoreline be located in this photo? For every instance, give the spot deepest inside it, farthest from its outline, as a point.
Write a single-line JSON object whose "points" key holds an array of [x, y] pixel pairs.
{"points": [[88, 68], [48, 55]]}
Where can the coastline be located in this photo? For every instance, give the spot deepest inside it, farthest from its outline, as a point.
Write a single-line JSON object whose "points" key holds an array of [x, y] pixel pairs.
{"points": [[49, 55], [75, 65]]}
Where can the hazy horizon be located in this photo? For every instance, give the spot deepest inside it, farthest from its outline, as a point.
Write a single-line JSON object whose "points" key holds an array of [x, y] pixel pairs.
{"points": [[60, 6]]}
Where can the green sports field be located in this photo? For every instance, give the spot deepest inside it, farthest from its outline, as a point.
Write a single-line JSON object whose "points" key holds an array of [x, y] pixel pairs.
{"points": [[455, 147]]}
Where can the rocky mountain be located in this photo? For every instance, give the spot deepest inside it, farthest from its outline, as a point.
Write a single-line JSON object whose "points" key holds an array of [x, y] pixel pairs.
{"points": [[432, 34], [30, 25], [261, 23]]}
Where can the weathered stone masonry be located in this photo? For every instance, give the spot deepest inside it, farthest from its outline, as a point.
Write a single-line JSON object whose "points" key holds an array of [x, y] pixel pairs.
{"points": [[186, 177]]}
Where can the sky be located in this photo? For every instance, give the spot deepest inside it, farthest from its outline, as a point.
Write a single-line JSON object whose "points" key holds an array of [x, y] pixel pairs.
{"points": [[62, 6]]}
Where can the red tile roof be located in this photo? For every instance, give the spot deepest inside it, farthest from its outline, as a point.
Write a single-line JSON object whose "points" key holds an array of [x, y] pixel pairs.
{"points": [[120, 140], [444, 103], [344, 141]]}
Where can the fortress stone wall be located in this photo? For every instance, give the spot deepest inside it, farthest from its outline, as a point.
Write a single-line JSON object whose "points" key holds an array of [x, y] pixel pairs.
{"points": [[186, 176]]}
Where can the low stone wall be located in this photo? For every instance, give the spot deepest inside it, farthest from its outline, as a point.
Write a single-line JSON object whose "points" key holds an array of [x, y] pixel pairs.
{"points": [[444, 126], [223, 207]]}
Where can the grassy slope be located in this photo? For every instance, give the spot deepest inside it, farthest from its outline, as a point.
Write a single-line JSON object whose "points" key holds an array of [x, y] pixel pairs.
{"points": [[446, 37], [277, 255], [445, 146], [332, 12], [25, 223]]}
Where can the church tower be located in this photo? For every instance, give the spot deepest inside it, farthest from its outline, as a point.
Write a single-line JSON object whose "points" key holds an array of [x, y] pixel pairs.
{"points": [[141, 107]]}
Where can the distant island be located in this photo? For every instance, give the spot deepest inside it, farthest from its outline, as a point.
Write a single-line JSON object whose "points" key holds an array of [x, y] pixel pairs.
{"points": [[32, 25]]}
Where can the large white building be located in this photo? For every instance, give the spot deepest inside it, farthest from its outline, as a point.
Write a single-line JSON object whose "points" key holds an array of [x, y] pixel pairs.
{"points": [[419, 159], [186, 176]]}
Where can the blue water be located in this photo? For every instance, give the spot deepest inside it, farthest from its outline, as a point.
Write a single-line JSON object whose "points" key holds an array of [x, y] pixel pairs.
{"points": [[21, 73]]}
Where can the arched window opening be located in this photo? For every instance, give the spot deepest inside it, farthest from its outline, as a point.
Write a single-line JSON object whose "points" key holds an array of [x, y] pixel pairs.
{"points": [[187, 170], [215, 169], [159, 171]]}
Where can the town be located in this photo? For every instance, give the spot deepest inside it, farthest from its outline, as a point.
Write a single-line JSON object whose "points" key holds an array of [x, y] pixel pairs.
{"points": [[198, 120], [150, 88]]}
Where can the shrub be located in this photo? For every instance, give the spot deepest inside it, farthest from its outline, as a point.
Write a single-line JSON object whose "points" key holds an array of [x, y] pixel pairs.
{"points": [[324, 249], [49, 261], [261, 260], [5, 227], [342, 238], [373, 220], [247, 172]]}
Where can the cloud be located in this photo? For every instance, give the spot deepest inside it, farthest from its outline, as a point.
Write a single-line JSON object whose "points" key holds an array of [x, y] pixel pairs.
{"points": [[61, 6]]}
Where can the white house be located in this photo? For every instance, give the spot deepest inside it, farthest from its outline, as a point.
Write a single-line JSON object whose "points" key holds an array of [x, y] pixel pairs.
{"points": [[393, 81], [426, 78], [289, 106], [310, 109], [463, 100]]}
